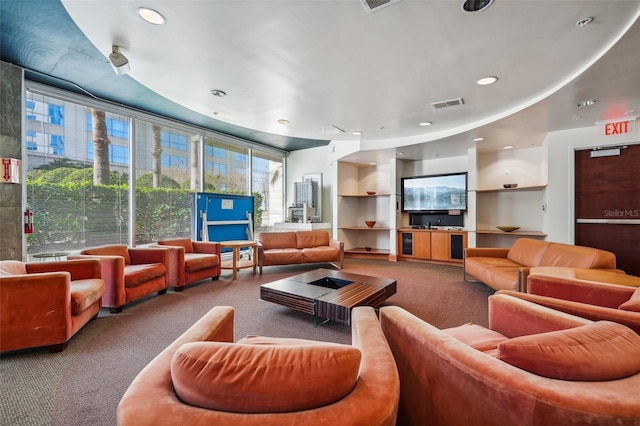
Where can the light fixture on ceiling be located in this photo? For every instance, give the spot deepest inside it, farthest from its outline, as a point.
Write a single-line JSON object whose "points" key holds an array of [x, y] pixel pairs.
{"points": [[218, 93], [584, 22], [485, 81], [119, 62], [587, 103], [478, 139], [283, 121], [356, 133], [476, 5], [507, 147], [425, 123], [151, 16]]}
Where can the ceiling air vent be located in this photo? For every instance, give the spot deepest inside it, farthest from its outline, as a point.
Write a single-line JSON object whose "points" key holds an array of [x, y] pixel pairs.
{"points": [[448, 104], [373, 5]]}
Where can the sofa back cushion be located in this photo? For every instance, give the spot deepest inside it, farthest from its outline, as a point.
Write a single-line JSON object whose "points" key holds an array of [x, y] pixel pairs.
{"points": [[12, 267], [264, 375], [633, 304], [110, 250], [527, 251], [277, 240], [308, 239], [186, 243], [558, 254], [595, 352]]}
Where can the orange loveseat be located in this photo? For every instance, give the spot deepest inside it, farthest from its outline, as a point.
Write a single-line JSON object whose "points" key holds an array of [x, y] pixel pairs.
{"points": [[240, 377], [294, 247], [533, 366], [191, 261], [129, 273], [45, 304], [507, 268]]}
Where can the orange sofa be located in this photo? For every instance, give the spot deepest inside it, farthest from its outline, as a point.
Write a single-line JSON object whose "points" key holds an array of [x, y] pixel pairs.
{"points": [[587, 299], [191, 261], [45, 304], [129, 273], [295, 247], [532, 366], [507, 268], [241, 377]]}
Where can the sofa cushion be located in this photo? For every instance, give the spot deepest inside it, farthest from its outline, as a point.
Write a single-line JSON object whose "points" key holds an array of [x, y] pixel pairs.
{"points": [[282, 256], [194, 262], [186, 243], [135, 275], [476, 336], [264, 375], [577, 256], [277, 240], [633, 304], [595, 352], [12, 267], [307, 239], [527, 251], [320, 254], [84, 293]]}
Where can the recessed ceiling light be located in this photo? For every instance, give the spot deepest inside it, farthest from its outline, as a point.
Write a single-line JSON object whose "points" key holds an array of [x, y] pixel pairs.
{"points": [[507, 147], [584, 22], [151, 16], [479, 139], [356, 133], [587, 103], [476, 5], [219, 93], [425, 123], [485, 81], [372, 164], [283, 121]]}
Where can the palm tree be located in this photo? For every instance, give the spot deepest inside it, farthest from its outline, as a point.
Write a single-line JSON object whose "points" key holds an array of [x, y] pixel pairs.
{"points": [[101, 175], [156, 152]]}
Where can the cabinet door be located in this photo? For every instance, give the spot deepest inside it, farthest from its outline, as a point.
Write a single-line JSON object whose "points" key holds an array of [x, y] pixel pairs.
{"points": [[422, 245], [440, 246]]}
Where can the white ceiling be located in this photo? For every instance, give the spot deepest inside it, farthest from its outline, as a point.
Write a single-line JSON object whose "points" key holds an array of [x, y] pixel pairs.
{"points": [[325, 63]]}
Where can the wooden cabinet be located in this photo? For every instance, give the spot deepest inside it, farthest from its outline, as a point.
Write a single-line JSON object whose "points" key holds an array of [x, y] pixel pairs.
{"points": [[441, 245]]}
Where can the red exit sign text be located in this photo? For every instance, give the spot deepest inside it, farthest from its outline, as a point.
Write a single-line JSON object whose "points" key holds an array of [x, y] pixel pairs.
{"points": [[616, 128]]}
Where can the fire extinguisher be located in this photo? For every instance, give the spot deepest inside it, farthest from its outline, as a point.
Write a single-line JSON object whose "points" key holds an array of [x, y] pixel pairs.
{"points": [[28, 221]]}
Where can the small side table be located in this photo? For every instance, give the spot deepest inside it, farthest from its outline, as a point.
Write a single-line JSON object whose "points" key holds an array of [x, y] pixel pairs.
{"points": [[236, 262]]}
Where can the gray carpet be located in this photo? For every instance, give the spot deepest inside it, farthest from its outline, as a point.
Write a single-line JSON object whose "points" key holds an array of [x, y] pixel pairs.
{"points": [[83, 384]]}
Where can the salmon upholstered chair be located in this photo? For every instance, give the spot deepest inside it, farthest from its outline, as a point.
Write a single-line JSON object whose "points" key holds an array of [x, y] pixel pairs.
{"points": [[205, 378], [129, 273], [45, 304], [191, 261]]}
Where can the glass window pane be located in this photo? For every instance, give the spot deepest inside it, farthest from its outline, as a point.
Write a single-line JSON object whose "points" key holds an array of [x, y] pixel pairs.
{"points": [[226, 168], [268, 190]]}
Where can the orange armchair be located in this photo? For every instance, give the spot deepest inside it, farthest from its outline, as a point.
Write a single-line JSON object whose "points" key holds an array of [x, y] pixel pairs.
{"points": [[586, 299], [45, 304], [191, 261], [129, 273]]}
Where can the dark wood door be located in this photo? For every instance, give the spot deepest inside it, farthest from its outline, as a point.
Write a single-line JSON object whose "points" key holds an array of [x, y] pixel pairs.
{"points": [[607, 204]]}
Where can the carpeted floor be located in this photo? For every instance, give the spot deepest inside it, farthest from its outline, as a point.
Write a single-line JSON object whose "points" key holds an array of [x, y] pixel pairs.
{"points": [[83, 384]]}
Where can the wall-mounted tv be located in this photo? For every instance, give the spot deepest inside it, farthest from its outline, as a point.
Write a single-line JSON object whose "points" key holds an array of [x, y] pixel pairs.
{"points": [[434, 193]]}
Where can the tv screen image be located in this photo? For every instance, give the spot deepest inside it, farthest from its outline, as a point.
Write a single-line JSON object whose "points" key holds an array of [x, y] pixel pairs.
{"points": [[435, 193]]}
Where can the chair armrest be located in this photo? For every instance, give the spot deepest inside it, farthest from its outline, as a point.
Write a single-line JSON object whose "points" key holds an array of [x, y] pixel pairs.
{"points": [[209, 247], [340, 246], [590, 292], [512, 316], [486, 252], [175, 270], [80, 269], [112, 272]]}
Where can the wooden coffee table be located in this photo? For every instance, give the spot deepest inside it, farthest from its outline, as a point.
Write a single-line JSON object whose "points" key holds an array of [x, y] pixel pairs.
{"points": [[328, 294]]}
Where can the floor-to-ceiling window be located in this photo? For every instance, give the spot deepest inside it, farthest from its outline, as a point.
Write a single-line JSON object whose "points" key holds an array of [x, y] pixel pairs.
{"points": [[78, 173]]}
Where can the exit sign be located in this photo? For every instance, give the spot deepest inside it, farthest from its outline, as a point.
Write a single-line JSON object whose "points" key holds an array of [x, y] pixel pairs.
{"points": [[616, 128]]}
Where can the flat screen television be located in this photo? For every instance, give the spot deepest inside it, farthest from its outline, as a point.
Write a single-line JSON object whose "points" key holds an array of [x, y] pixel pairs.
{"points": [[434, 193]]}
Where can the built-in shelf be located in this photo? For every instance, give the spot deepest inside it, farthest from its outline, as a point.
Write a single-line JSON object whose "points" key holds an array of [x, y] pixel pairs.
{"points": [[363, 228], [514, 233], [362, 250], [520, 188]]}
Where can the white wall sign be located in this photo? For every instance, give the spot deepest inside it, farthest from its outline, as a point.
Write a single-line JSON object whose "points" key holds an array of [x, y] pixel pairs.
{"points": [[10, 170]]}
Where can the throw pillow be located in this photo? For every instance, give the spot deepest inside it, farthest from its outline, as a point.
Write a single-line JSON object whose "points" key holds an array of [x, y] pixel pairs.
{"points": [[600, 351], [264, 375]]}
